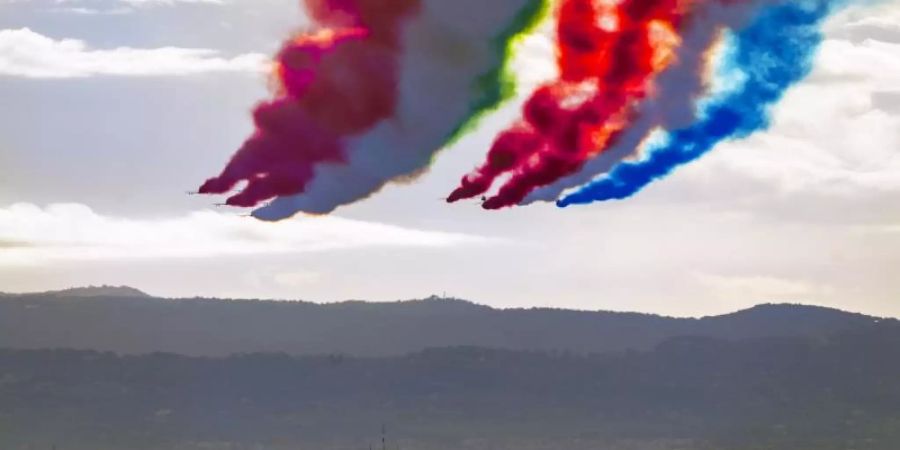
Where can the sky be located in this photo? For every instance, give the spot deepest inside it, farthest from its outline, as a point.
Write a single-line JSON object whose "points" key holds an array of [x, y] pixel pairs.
{"points": [[111, 110]]}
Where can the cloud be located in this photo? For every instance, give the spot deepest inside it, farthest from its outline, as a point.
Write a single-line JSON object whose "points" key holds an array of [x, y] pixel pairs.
{"points": [[130, 2], [74, 232], [106, 7], [171, 2], [760, 288], [839, 133], [25, 53], [833, 141], [12, 244], [873, 20]]}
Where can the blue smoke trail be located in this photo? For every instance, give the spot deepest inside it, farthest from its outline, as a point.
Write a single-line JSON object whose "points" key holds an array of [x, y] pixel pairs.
{"points": [[774, 52]]}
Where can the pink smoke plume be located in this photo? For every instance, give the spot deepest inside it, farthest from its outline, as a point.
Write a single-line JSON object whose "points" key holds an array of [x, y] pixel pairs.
{"points": [[333, 84]]}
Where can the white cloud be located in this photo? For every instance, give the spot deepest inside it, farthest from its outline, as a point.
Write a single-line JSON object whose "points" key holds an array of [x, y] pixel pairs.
{"points": [[835, 136], [170, 2], [103, 7], [760, 288], [25, 53], [130, 2], [30, 235]]}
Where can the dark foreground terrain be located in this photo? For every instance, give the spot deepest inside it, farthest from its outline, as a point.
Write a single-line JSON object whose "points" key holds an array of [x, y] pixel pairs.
{"points": [[835, 385]]}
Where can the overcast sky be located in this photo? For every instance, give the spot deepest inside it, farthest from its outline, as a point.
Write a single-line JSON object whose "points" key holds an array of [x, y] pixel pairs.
{"points": [[111, 109]]}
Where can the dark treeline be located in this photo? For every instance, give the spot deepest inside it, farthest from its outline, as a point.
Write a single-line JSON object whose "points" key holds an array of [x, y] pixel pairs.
{"points": [[836, 392], [138, 325]]}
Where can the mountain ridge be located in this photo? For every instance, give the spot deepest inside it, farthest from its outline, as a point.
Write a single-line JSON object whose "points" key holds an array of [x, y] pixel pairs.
{"points": [[125, 291], [86, 291], [211, 327]]}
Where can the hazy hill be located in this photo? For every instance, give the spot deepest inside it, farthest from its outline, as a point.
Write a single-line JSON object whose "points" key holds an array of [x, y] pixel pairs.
{"points": [[137, 324], [88, 292], [835, 393]]}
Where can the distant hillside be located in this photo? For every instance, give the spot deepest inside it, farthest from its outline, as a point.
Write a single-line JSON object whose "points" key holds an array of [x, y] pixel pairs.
{"points": [[834, 393], [205, 327], [90, 291]]}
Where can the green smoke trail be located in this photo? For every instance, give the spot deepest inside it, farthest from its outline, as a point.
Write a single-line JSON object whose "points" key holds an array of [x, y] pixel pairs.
{"points": [[499, 84]]}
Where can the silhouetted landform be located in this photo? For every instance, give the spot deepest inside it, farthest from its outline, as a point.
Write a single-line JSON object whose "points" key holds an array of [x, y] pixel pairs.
{"points": [[137, 324], [837, 392], [88, 292]]}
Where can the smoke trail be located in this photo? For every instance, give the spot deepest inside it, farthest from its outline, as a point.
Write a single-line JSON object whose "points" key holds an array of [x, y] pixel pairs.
{"points": [[454, 68], [609, 53], [333, 84], [373, 97], [773, 53], [499, 83], [676, 93]]}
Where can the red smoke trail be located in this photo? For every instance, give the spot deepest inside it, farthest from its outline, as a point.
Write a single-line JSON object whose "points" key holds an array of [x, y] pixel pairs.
{"points": [[609, 53], [332, 84]]}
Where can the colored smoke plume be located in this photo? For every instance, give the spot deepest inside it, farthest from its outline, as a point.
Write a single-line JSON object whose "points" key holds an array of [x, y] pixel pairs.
{"points": [[609, 55], [371, 97], [380, 86], [333, 84], [677, 90], [772, 54]]}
